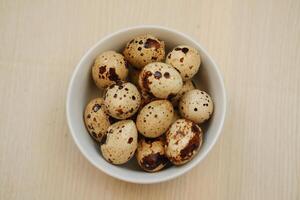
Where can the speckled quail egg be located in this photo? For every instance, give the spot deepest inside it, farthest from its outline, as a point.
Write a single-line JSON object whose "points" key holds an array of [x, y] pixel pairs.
{"points": [[187, 86], [109, 67], [186, 60], [143, 50], [121, 142], [95, 119], [196, 105], [183, 141], [161, 80], [150, 154], [155, 118], [122, 100]]}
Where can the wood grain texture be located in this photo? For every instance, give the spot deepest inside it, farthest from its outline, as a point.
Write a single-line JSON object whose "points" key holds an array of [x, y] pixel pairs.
{"points": [[256, 44]]}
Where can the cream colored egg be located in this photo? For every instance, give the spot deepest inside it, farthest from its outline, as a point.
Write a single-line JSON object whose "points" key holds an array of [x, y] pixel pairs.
{"points": [[196, 105], [144, 49], [155, 118], [161, 80], [121, 142], [183, 141], [186, 60], [122, 100], [109, 67], [150, 154], [96, 121]]}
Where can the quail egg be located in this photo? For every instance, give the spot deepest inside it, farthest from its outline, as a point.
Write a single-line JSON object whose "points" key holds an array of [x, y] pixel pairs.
{"points": [[155, 118], [196, 105], [96, 121], [109, 67], [150, 154], [161, 80], [183, 141], [122, 100], [121, 142], [186, 60], [143, 50]]}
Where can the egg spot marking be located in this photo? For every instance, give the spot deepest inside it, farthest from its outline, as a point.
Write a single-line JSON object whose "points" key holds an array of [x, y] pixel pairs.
{"points": [[184, 50], [157, 75], [150, 43], [102, 69], [167, 75], [113, 76], [96, 107], [152, 161], [130, 140]]}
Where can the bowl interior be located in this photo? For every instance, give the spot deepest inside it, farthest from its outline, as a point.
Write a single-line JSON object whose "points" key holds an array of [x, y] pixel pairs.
{"points": [[82, 90]]}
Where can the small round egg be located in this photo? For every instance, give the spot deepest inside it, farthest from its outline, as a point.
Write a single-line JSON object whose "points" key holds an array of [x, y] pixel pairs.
{"points": [[155, 118], [143, 50], [196, 105], [183, 141], [121, 142], [187, 86], [150, 154], [109, 67], [161, 80], [122, 100], [186, 60], [95, 119]]}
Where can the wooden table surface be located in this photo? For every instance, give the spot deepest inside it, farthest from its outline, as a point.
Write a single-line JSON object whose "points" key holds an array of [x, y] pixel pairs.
{"points": [[256, 44]]}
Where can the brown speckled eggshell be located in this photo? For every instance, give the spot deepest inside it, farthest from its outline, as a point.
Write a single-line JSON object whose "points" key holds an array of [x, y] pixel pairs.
{"points": [[150, 154], [160, 80], [122, 100], [143, 50], [196, 105], [95, 119], [121, 142], [186, 60], [183, 141], [109, 67], [155, 118]]}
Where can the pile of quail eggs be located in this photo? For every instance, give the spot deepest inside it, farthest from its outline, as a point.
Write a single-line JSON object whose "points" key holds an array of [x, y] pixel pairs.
{"points": [[151, 108]]}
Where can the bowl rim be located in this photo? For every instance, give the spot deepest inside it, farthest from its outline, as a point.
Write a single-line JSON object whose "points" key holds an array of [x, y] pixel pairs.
{"points": [[128, 178]]}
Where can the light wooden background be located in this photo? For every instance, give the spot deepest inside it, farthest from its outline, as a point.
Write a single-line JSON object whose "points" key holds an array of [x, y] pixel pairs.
{"points": [[256, 44]]}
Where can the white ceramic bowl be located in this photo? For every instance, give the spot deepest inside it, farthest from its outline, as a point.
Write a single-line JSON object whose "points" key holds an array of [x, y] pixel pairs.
{"points": [[82, 89]]}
